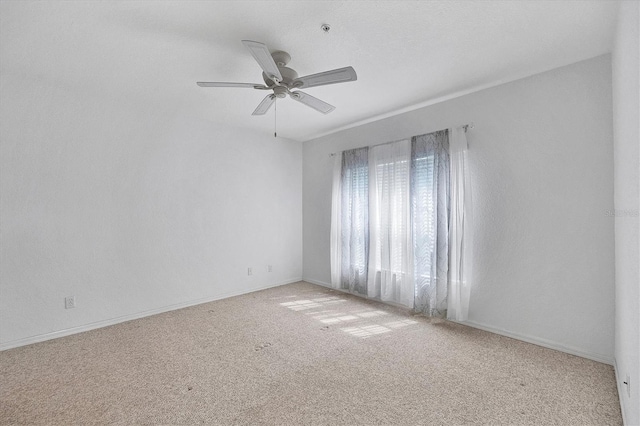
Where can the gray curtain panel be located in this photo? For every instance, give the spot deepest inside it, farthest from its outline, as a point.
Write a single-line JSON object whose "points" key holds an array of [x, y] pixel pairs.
{"points": [[355, 220]]}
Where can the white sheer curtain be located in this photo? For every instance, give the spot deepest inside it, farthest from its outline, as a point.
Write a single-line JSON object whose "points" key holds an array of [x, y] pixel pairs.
{"points": [[336, 220], [391, 250], [460, 228]]}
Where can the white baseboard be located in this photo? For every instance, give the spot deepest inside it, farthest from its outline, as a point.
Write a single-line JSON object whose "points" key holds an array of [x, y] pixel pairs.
{"points": [[322, 283], [540, 342], [112, 321], [518, 336]]}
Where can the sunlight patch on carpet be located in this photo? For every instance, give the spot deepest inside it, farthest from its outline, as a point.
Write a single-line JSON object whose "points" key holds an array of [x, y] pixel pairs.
{"points": [[366, 330], [317, 308], [301, 305], [336, 320], [372, 314], [400, 323]]}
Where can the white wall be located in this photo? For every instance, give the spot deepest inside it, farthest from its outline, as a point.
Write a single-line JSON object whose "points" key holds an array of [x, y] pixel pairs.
{"points": [[132, 207], [626, 109], [542, 169]]}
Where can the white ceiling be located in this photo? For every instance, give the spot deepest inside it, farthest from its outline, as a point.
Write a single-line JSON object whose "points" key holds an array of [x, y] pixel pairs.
{"points": [[406, 53]]}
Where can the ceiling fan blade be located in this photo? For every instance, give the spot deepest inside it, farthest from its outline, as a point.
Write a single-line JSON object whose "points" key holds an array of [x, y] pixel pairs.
{"points": [[222, 84], [261, 54], [312, 102], [340, 75], [265, 105]]}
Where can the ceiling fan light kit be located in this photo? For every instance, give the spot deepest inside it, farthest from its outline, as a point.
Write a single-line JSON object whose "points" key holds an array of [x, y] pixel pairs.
{"points": [[282, 80]]}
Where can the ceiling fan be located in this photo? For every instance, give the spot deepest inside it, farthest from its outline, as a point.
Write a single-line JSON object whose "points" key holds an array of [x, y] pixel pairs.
{"points": [[283, 80]]}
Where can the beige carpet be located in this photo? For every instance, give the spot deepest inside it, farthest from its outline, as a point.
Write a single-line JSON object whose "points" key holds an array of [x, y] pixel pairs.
{"points": [[299, 354]]}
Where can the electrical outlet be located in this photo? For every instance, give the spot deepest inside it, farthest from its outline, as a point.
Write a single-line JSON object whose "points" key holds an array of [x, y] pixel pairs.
{"points": [[70, 302], [249, 271], [628, 384], [269, 268]]}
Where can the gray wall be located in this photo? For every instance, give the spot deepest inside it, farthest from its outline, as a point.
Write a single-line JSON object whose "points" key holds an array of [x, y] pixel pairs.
{"points": [[542, 168]]}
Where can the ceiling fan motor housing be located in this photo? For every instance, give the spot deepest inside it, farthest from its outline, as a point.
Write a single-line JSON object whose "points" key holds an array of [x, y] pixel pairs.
{"points": [[288, 75], [280, 91]]}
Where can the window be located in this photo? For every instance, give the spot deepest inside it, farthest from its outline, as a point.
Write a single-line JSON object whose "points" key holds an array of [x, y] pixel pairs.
{"points": [[392, 232]]}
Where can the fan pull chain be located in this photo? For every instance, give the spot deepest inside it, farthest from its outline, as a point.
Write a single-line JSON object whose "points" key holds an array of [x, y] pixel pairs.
{"points": [[275, 118]]}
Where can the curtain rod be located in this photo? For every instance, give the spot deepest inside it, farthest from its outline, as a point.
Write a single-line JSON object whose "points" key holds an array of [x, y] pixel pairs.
{"points": [[466, 128]]}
